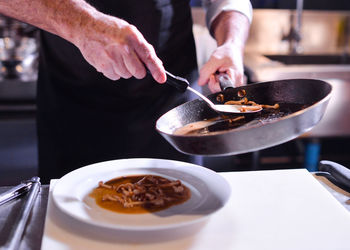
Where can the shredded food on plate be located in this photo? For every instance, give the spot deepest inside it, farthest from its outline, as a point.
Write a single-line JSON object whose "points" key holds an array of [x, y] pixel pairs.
{"points": [[130, 193]]}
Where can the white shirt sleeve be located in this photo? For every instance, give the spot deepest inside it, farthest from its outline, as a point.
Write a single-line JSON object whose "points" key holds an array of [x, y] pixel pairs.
{"points": [[215, 7]]}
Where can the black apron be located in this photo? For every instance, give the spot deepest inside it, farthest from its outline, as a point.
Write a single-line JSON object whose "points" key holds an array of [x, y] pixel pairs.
{"points": [[84, 117]]}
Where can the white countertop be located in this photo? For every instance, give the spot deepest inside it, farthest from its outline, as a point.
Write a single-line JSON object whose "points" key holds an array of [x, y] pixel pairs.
{"points": [[278, 209]]}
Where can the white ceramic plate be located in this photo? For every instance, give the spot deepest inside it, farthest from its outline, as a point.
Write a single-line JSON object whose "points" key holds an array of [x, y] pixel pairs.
{"points": [[209, 193]]}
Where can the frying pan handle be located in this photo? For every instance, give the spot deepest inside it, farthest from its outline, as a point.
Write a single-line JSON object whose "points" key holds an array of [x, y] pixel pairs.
{"points": [[225, 81], [340, 174]]}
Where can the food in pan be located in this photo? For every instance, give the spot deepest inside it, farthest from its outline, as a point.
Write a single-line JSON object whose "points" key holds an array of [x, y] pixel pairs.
{"points": [[253, 105], [140, 194], [201, 127], [227, 122]]}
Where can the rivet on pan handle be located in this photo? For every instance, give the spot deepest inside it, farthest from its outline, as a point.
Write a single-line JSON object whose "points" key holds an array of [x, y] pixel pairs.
{"points": [[225, 81]]}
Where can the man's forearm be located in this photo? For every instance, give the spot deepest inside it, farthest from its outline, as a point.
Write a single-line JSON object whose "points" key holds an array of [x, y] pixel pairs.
{"points": [[111, 45], [231, 27], [61, 17]]}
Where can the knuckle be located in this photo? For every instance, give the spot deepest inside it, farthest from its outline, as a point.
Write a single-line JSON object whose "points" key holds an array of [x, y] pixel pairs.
{"points": [[150, 48], [132, 29], [149, 57], [151, 62], [130, 33], [148, 51]]}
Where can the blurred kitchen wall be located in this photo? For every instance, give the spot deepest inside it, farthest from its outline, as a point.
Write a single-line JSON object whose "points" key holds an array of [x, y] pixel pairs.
{"points": [[308, 4], [324, 31]]}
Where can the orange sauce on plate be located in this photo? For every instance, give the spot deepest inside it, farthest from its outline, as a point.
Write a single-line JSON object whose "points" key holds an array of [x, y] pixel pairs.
{"points": [[99, 192]]}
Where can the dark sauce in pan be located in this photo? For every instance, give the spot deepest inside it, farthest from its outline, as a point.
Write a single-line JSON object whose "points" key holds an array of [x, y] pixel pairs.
{"points": [[229, 122]]}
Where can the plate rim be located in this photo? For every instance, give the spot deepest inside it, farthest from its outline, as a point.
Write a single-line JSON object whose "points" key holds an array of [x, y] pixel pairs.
{"points": [[138, 228]]}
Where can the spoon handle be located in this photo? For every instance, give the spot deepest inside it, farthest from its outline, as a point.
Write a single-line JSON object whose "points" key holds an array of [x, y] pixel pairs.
{"points": [[181, 84]]}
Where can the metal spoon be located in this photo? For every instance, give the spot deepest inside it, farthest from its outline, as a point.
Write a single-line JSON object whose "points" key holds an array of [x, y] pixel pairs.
{"points": [[182, 85]]}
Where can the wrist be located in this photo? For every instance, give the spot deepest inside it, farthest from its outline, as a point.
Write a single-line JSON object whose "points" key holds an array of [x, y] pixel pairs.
{"points": [[232, 47], [231, 29], [79, 21]]}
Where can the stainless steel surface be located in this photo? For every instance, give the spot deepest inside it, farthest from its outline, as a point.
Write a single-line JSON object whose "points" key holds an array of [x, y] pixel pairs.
{"points": [[251, 138], [294, 36], [302, 59], [336, 173], [19, 226], [31, 239], [325, 46], [300, 66], [299, 9], [15, 192], [322, 32], [336, 120]]}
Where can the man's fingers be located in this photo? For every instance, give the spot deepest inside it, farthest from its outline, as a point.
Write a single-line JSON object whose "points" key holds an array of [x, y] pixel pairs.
{"points": [[134, 65], [157, 70], [109, 72], [204, 75], [114, 51], [206, 71], [235, 76], [111, 75], [148, 56], [123, 52], [105, 66], [211, 68], [213, 80], [213, 85], [120, 68]]}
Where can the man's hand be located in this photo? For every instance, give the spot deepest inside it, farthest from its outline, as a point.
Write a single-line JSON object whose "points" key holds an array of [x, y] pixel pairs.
{"points": [[230, 30], [118, 49], [225, 58], [111, 45]]}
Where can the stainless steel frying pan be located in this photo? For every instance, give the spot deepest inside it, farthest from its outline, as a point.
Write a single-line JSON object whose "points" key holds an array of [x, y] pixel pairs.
{"points": [[257, 134]]}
